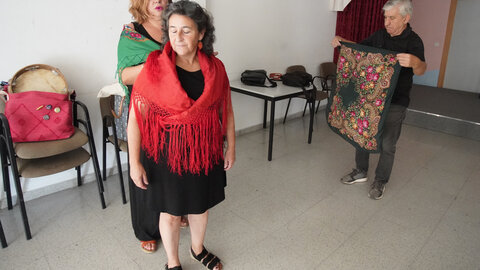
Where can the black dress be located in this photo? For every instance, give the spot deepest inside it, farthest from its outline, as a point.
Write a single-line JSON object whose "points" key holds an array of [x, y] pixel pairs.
{"points": [[187, 193], [144, 220]]}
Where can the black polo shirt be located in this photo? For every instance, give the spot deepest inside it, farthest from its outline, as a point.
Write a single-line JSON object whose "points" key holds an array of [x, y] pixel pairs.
{"points": [[407, 42]]}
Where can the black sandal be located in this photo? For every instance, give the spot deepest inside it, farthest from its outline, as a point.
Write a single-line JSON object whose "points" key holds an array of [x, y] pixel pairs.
{"points": [[209, 260], [173, 268]]}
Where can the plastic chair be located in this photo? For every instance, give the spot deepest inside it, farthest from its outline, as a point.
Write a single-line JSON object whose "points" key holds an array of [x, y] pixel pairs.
{"points": [[108, 123], [36, 159]]}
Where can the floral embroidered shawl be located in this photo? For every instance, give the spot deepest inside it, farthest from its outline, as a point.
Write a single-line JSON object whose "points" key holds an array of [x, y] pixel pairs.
{"points": [[133, 49], [357, 107]]}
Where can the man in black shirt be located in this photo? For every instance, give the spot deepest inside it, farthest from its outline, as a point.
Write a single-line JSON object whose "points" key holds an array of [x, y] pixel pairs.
{"points": [[396, 36]]}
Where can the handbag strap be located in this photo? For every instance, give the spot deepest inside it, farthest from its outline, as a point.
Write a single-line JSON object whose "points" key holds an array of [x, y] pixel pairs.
{"points": [[120, 109], [272, 83]]}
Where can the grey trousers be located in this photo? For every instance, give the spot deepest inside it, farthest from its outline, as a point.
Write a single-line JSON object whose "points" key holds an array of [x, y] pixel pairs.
{"points": [[391, 132]]}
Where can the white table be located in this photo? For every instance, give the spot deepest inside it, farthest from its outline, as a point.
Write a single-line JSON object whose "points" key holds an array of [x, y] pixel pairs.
{"points": [[273, 94]]}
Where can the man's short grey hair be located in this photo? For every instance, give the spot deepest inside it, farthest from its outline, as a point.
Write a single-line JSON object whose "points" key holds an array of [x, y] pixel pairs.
{"points": [[405, 6]]}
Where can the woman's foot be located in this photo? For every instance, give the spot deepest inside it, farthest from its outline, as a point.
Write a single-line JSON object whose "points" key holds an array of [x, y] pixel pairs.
{"points": [[149, 246], [209, 260]]}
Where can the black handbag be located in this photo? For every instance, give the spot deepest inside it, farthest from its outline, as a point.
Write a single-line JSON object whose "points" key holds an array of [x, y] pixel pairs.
{"points": [[297, 79], [256, 78]]}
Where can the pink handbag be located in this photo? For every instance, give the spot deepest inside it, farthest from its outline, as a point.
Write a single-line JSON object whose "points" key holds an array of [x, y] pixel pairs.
{"points": [[39, 116]]}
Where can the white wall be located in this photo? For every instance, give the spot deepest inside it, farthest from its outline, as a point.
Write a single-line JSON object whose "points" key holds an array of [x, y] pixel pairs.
{"points": [[270, 35], [80, 38], [463, 59]]}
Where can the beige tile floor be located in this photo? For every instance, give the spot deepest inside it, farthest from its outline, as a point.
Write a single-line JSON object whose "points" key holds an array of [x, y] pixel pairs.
{"points": [[290, 213]]}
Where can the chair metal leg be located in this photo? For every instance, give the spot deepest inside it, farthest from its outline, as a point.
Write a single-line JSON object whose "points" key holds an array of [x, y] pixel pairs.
{"points": [[5, 174], [6, 143], [286, 111], [305, 108], [310, 128], [93, 154], [2, 237], [23, 209], [79, 176], [99, 180], [120, 172], [318, 105], [104, 148], [119, 164], [96, 168]]}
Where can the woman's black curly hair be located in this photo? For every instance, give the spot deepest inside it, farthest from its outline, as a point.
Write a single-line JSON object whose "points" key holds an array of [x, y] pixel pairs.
{"points": [[198, 14]]}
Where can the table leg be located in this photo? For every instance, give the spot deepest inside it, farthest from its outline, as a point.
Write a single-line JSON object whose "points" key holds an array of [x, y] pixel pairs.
{"points": [[312, 115], [265, 106], [272, 124]]}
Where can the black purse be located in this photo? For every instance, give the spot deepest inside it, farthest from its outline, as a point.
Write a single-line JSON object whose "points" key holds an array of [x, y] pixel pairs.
{"points": [[297, 79], [256, 78]]}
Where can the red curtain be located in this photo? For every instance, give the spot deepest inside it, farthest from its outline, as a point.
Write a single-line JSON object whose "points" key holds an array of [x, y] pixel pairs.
{"points": [[358, 20]]}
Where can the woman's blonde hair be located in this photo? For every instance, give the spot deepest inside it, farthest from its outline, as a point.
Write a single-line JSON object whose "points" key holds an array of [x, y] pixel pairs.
{"points": [[139, 10]]}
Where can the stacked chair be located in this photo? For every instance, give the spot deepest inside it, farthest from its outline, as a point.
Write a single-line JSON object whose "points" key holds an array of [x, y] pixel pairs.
{"points": [[327, 76], [41, 158]]}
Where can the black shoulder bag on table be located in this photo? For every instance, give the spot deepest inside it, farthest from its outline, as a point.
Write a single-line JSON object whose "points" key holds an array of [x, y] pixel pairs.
{"points": [[297, 79], [256, 78]]}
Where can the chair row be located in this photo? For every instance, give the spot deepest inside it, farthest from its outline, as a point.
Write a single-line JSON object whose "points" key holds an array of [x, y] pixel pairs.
{"points": [[36, 159]]}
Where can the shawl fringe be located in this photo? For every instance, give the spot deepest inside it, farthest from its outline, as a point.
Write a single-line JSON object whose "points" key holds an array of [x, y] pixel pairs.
{"points": [[193, 147]]}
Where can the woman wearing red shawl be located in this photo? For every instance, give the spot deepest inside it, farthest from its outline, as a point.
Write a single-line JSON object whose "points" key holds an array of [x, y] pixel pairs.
{"points": [[182, 112]]}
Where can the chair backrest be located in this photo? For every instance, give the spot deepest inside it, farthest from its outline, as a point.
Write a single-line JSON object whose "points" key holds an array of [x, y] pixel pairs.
{"points": [[295, 68], [106, 106], [107, 109], [328, 69]]}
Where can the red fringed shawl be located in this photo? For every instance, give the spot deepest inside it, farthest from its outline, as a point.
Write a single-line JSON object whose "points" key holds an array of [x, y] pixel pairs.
{"points": [[188, 133]]}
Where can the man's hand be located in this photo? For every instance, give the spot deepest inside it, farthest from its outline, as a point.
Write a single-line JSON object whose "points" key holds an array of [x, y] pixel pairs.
{"points": [[336, 41], [406, 59], [411, 61]]}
